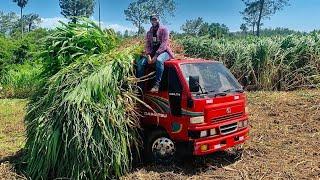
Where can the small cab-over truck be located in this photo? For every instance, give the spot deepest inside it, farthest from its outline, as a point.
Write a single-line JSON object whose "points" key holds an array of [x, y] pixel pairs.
{"points": [[200, 108]]}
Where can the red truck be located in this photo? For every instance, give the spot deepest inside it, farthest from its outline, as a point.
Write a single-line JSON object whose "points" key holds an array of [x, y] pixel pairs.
{"points": [[200, 108]]}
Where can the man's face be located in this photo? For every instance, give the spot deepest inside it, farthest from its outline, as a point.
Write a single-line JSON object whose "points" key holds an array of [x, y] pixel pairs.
{"points": [[154, 22]]}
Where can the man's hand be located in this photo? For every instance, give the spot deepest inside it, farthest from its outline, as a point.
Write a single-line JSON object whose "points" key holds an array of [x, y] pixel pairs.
{"points": [[149, 59], [153, 60]]}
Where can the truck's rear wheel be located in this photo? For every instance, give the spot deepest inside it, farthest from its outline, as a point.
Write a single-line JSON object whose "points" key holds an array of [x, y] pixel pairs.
{"points": [[159, 147]]}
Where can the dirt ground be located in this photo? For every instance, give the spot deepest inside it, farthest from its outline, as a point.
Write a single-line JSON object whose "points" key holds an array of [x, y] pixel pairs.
{"points": [[284, 144]]}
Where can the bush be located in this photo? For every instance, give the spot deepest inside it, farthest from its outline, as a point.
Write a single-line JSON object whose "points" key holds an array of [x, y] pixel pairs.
{"points": [[20, 80]]}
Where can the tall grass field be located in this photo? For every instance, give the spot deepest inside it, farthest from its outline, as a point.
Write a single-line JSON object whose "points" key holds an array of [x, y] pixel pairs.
{"points": [[267, 63]]}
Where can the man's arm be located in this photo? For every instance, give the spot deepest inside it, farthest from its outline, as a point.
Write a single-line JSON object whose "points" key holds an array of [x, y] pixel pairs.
{"points": [[148, 48], [164, 42]]}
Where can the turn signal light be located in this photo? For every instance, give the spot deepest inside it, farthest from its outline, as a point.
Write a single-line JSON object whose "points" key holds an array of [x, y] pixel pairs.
{"points": [[204, 147]]}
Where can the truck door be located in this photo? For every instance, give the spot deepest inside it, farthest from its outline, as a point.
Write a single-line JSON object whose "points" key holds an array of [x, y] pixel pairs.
{"points": [[175, 92]]}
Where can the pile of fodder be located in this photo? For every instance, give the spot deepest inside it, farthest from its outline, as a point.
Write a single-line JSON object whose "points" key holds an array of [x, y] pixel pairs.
{"points": [[83, 123], [70, 41], [270, 63]]}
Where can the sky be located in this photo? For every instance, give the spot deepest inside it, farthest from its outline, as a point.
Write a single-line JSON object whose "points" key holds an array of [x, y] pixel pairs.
{"points": [[301, 15]]}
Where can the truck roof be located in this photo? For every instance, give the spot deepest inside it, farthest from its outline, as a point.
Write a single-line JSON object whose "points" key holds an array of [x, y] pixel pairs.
{"points": [[190, 60]]}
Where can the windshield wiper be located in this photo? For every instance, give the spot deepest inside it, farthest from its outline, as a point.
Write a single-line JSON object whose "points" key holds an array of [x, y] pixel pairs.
{"points": [[233, 90], [217, 93]]}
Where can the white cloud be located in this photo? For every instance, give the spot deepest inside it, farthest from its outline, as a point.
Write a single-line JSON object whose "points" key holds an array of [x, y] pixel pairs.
{"points": [[53, 22], [121, 28]]}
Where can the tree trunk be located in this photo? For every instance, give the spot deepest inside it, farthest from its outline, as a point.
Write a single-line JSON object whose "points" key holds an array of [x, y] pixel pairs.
{"points": [[21, 21], [260, 15], [30, 25], [139, 28], [253, 26], [99, 15]]}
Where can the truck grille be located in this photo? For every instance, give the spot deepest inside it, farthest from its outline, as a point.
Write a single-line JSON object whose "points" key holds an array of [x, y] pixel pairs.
{"points": [[222, 118], [227, 129]]}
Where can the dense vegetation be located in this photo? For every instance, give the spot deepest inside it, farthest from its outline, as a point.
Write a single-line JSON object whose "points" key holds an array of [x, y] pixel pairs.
{"points": [[269, 63], [20, 64]]}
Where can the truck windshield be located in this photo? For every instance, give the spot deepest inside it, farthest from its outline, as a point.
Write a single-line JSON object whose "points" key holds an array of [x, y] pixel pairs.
{"points": [[213, 77]]}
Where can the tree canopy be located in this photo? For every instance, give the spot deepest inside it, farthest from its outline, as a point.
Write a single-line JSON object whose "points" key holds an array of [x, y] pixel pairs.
{"points": [[258, 10], [72, 9], [139, 11]]}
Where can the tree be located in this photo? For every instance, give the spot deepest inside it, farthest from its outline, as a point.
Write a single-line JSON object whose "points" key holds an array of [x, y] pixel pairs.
{"points": [[163, 8], [21, 4], [126, 33], [7, 22], [244, 28], [31, 20], [139, 11], [213, 30], [192, 27], [218, 30], [250, 15], [263, 9], [72, 9], [197, 27], [137, 14]]}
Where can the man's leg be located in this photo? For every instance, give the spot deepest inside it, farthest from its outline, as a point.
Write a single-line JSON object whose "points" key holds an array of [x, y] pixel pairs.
{"points": [[159, 69], [141, 64]]}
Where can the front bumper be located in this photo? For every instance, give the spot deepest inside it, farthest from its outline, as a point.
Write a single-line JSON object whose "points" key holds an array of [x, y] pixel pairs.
{"points": [[221, 143]]}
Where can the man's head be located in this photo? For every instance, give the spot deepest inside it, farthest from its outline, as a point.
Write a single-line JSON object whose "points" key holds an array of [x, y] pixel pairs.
{"points": [[154, 19]]}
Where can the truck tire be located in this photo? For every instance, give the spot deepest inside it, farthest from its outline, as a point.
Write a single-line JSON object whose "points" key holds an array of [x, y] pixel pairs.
{"points": [[158, 147]]}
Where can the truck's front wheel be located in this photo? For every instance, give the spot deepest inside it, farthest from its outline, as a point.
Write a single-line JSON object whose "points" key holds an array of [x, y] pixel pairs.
{"points": [[159, 147]]}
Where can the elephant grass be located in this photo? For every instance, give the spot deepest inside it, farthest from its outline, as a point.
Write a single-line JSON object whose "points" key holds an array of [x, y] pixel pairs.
{"points": [[83, 124]]}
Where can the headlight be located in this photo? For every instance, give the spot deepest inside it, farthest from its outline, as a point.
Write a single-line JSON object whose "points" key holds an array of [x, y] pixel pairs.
{"points": [[213, 132], [197, 120], [203, 133], [243, 124]]}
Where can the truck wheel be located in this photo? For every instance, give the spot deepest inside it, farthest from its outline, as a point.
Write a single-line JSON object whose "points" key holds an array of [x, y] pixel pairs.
{"points": [[159, 148]]}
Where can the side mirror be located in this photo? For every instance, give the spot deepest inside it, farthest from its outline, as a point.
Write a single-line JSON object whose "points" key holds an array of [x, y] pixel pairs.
{"points": [[194, 83]]}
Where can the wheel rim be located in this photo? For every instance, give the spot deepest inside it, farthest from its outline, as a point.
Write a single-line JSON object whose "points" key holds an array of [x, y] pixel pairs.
{"points": [[163, 147]]}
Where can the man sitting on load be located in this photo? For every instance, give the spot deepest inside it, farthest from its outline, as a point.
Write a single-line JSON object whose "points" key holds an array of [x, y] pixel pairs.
{"points": [[157, 50]]}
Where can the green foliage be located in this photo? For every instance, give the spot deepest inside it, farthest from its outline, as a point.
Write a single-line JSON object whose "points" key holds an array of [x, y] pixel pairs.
{"points": [[31, 21], [7, 22], [71, 41], [258, 10], [197, 27], [271, 63], [73, 9], [83, 123], [192, 27], [20, 80], [139, 11], [17, 57], [21, 3], [7, 47]]}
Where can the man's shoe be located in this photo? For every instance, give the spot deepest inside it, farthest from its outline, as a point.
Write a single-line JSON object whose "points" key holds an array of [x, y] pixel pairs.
{"points": [[155, 89]]}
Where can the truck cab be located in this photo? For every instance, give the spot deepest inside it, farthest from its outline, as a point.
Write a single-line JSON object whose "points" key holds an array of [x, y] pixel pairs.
{"points": [[200, 108]]}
